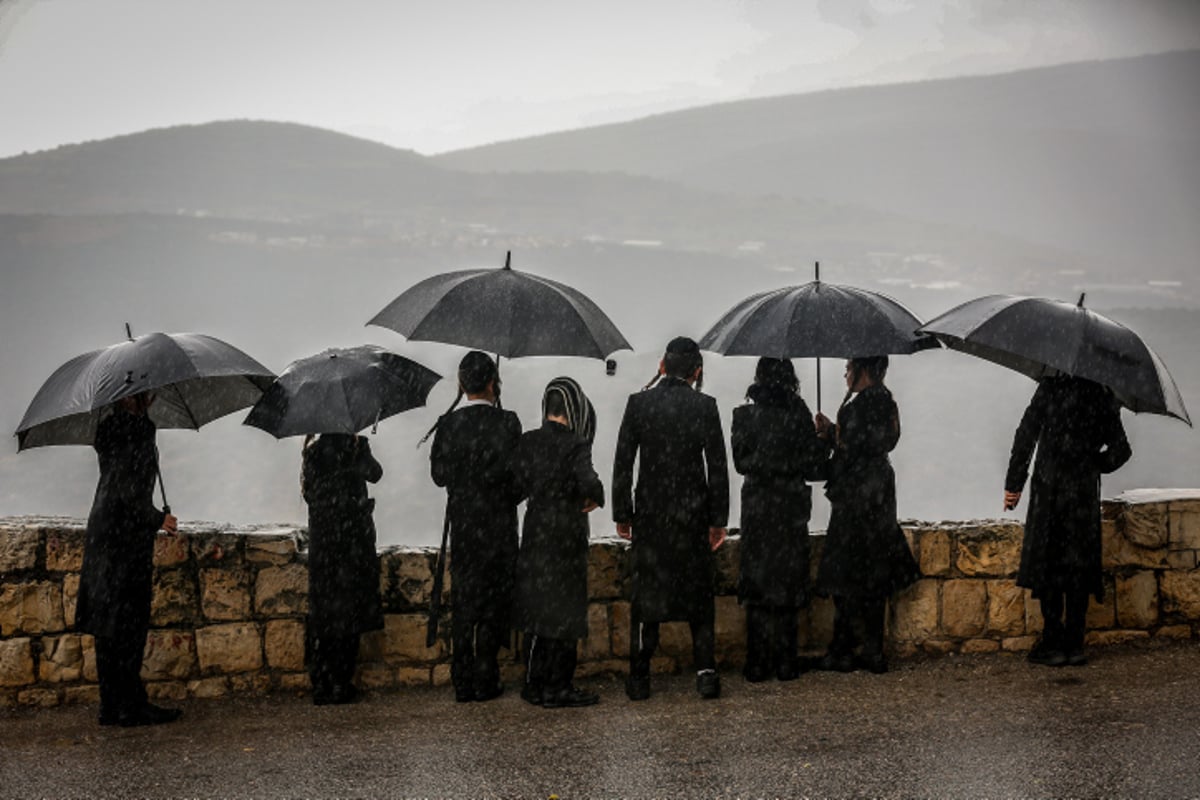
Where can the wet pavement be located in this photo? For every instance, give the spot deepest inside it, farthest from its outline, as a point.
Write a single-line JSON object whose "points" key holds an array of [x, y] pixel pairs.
{"points": [[1126, 725]]}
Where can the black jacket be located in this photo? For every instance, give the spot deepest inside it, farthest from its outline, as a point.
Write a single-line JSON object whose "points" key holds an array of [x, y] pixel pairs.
{"points": [[553, 468], [118, 558], [674, 433], [343, 565], [471, 456], [865, 552], [1076, 427], [775, 446]]}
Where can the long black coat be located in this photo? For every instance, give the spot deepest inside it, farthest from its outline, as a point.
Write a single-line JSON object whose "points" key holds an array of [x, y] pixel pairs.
{"points": [[115, 584], [674, 432], [776, 448], [553, 468], [865, 552], [343, 564], [1076, 427], [471, 457]]}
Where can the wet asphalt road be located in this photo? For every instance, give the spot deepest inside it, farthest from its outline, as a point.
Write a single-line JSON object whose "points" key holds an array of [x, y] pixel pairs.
{"points": [[1128, 725]]}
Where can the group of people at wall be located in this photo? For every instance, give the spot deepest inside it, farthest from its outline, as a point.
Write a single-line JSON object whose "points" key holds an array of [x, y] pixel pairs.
{"points": [[673, 510]]}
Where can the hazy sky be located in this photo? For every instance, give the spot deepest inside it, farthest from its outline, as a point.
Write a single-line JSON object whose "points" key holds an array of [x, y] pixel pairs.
{"points": [[436, 76]]}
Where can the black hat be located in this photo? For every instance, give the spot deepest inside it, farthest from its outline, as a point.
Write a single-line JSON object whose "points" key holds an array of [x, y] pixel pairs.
{"points": [[682, 345]]}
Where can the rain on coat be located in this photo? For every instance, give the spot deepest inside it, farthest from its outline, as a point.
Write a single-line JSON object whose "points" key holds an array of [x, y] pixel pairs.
{"points": [[865, 552], [675, 434], [1076, 427], [776, 448], [116, 580], [343, 564], [471, 457], [553, 468]]}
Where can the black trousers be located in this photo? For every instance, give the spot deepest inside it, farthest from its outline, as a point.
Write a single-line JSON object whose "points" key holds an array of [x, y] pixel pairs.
{"points": [[476, 647], [858, 621], [1065, 615], [771, 637], [550, 663], [331, 661], [643, 641], [118, 667]]}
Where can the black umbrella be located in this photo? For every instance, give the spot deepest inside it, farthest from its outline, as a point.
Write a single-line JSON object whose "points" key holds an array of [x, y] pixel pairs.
{"points": [[821, 320], [1040, 337], [341, 391], [503, 311]]}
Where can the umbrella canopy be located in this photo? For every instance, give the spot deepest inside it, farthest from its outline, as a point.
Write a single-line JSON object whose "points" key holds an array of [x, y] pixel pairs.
{"points": [[197, 379], [341, 391], [817, 320], [503, 311], [1040, 337]]}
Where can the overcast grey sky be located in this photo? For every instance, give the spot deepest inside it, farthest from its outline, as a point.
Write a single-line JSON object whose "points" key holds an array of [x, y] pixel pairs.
{"points": [[436, 76]]}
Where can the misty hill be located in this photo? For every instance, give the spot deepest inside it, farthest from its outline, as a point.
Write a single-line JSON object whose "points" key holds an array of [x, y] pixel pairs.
{"points": [[1099, 157]]}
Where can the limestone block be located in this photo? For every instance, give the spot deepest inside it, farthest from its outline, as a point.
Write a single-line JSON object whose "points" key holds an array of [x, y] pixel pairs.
{"points": [[414, 676], [38, 698], [1034, 622], [1018, 644], [1137, 600], [8, 698], [1174, 632], [1104, 638], [666, 665], [293, 682], [64, 550], [935, 552], [440, 675], [216, 549], [171, 551], [964, 608], [976, 646], [16, 662], [18, 549], [172, 691], [1118, 551], [619, 620], [31, 608], [1146, 525], [376, 676], [727, 566], [169, 654], [250, 683], [1103, 615], [675, 639], [915, 611], [282, 591], [605, 570], [904, 650], [1185, 530], [81, 695], [175, 599], [273, 549], [511, 673], [992, 551], [597, 645], [406, 579], [209, 688], [70, 598], [816, 627], [284, 643], [404, 639], [1006, 608], [938, 647], [225, 593], [88, 643], [1181, 594], [233, 647], [62, 659], [730, 628], [1181, 559], [610, 666]]}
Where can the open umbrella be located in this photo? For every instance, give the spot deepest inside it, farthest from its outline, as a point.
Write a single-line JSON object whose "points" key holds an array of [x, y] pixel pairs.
{"points": [[1040, 337], [816, 319], [503, 311], [341, 391]]}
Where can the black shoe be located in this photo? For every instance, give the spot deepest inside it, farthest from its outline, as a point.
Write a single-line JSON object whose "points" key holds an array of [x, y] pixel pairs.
{"points": [[788, 671], [755, 673], [836, 662], [149, 714], [344, 693], [873, 662], [1076, 657], [569, 697], [109, 717], [1047, 655], [532, 693], [463, 694], [708, 684], [637, 687], [488, 692]]}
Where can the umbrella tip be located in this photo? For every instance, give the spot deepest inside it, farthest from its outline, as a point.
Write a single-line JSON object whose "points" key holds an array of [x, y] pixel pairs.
{"points": [[128, 332], [508, 259], [817, 271], [1081, 296]]}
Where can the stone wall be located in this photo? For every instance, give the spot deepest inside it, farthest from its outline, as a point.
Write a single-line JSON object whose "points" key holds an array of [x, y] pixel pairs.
{"points": [[229, 605]]}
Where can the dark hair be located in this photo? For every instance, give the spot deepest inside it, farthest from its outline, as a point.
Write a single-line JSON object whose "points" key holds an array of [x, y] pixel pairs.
{"points": [[476, 371], [775, 382], [875, 367]]}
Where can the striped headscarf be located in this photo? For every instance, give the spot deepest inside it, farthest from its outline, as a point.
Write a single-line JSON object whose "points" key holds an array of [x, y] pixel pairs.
{"points": [[581, 417]]}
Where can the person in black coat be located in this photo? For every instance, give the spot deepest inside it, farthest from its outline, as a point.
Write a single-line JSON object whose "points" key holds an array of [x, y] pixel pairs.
{"points": [[1075, 425], [343, 565], [866, 558], [775, 446], [115, 584], [471, 455], [677, 514], [553, 468]]}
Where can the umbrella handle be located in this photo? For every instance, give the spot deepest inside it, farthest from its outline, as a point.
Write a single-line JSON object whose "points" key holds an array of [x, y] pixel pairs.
{"points": [[818, 384]]}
